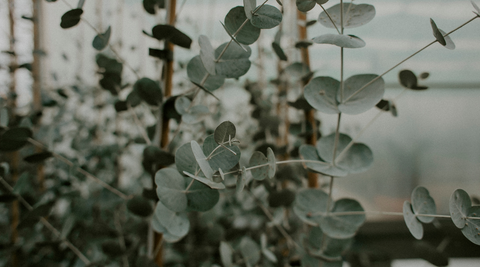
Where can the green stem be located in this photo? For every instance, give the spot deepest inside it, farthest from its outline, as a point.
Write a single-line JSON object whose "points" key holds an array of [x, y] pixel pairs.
{"points": [[407, 58]]}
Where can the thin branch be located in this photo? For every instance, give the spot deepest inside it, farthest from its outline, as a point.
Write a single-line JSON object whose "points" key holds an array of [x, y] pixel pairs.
{"points": [[329, 17], [57, 233], [82, 171]]}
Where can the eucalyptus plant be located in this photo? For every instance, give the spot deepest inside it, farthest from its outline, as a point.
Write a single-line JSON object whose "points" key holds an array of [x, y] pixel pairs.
{"points": [[240, 208]]}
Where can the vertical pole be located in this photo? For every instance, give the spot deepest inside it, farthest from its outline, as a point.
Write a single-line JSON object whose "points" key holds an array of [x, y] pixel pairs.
{"points": [[11, 106], [36, 76], [310, 139], [165, 127]]}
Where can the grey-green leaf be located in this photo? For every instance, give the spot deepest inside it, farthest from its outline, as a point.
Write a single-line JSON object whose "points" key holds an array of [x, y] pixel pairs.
{"points": [[449, 44], [423, 203], [471, 230], [311, 205], [272, 163], [226, 254], [222, 158], [258, 158], [182, 104], [310, 153], [250, 251], [234, 19], [267, 17], [436, 32], [224, 132], [343, 226], [201, 197], [353, 15], [185, 160], [321, 94], [355, 101], [171, 189], [279, 51], [459, 204], [326, 144], [101, 40], [249, 6], [340, 40], [176, 223], [149, 91], [358, 158], [196, 72], [196, 114], [235, 60], [305, 5], [201, 159], [414, 226], [207, 54]]}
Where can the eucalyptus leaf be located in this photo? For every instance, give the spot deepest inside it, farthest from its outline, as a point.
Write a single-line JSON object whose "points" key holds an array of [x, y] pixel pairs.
{"points": [[149, 91], [182, 105], [459, 205], [449, 44], [71, 18], [200, 197], [234, 19], [309, 152], [176, 223], [305, 5], [409, 80], [250, 251], [437, 34], [185, 160], [471, 230], [222, 158], [353, 15], [249, 6], [226, 254], [207, 54], [257, 159], [14, 138], [414, 226], [171, 189], [101, 40], [340, 40], [311, 205], [272, 163], [235, 60], [343, 226], [171, 34], [298, 69], [224, 132], [423, 203], [201, 159], [321, 94], [196, 114], [267, 17], [279, 51], [196, 72], [167, 236], [355, 101]]}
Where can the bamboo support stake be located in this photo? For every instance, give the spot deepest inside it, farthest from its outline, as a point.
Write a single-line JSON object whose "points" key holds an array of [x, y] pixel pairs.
{"points": [[310, 139]]}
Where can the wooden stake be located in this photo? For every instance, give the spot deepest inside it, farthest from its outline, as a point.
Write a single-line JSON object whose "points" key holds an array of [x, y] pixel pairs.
{"points": [[310, 139]]}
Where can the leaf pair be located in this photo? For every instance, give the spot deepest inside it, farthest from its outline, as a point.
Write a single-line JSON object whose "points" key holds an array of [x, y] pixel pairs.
{"points": [[312, 207], [326, 95], [422, 203], [349, 157], [463, 212]]}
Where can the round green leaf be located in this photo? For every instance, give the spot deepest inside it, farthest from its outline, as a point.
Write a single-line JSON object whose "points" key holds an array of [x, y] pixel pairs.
{"points": [[14, 138], [149, 91], [249, 6], [167, 236], [201, 159], [310, 153], [409, 80], [279, 51], [176, 223], [250, 251], [234, 19], [356, 102], [459, 204], [343, 226], [196, 72], [326, 143], [196, 114], [101, 40], [436, 32], [305, 5], [200, 197], [358, 158], [226, 254], [471, 230], [258, 158], [182, 105], [341, 40], [235, 61], [353, 15], [140, 206], [310, 205], [171, 189], [71, 18], [171, 34], [272, 163], [224, 132], [222, 158], [414, 226], [321, 93], [207, 54], [298, 69], [449, 42], [267, 17], [423, 203], [185, 160]]}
